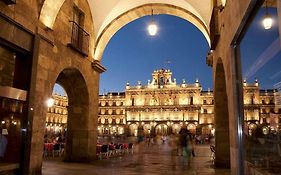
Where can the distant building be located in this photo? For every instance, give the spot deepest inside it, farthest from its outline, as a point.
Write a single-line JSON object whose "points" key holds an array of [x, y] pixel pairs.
{"points": [[56, 120], [162, 106]]}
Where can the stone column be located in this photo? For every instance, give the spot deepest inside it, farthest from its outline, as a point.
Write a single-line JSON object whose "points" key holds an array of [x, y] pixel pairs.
{"points": [[222, 146]]}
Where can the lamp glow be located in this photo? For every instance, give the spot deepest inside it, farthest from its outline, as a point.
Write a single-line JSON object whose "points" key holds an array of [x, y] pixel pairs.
{"points": [[50, 102], [152, 28], [267, 22]]}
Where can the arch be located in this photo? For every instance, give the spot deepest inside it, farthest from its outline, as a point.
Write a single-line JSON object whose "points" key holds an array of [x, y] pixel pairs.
{"points": [[49, 12], [77, 141], [176, 128], [147, 129], [222, 142], [118, 22], [191, 127], [161, 129], [133, 129], [110, 17]]}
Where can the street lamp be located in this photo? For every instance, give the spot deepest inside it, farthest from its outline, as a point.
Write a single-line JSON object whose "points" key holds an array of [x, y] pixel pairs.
{"points": [[152, 27], [267, 20], [50, 102]]}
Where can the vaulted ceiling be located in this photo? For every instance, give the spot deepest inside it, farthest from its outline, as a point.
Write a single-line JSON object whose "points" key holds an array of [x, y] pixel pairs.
{"points": [[111, 15]]}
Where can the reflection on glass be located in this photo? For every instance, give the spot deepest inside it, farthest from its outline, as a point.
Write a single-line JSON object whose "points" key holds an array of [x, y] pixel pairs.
{"points": [[261, 72]]}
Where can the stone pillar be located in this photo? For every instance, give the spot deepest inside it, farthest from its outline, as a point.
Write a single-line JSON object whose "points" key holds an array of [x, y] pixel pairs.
{"points": [[77, 135], [222, 146]]}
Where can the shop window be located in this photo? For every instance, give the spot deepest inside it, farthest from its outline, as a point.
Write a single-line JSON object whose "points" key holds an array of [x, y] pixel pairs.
{"points": [[259, 51], [15, 69]]}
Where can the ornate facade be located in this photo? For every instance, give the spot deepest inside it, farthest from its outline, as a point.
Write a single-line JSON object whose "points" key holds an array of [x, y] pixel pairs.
{"points": [[56, 120], [261, 107], [163, 106]]}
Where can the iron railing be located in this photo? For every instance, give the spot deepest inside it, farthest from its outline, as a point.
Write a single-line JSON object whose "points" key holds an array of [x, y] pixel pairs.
{"points": [[79, 39]]}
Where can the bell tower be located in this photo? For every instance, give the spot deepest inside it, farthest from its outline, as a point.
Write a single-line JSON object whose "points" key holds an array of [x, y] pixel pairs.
{"points": [[161, 77]]}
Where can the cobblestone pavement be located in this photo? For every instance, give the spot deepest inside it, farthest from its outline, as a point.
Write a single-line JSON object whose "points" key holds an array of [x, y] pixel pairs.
{"points": [[156, 159]]}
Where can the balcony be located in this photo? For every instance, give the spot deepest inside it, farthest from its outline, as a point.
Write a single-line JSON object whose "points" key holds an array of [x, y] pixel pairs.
{"points": [[79, 39]]}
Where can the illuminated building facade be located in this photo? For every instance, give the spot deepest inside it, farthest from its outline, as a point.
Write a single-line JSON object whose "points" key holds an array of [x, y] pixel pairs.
{"points": [[160, 107], [56, 119], [163, 106], [261, 107]]}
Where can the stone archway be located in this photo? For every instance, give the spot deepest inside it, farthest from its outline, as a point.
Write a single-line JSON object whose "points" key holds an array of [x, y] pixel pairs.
{"points": [[78, 134], [130, 15], [110, 17], [222, 142]]}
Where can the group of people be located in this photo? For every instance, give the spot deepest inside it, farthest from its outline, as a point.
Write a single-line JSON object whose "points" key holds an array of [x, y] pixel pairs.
{"points": [[182, 144]]}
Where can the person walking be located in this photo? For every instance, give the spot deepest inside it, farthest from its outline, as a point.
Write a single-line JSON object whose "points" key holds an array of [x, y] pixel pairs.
{"points": [[185, 141], [3, 143]]}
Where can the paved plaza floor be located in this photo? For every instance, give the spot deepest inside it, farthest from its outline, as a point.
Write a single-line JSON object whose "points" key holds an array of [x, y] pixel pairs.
{"points": [[156, 159]]}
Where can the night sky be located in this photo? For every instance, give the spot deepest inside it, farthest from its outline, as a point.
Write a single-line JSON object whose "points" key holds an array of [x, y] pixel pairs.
{"points": [[261, 53], [132, 55]]}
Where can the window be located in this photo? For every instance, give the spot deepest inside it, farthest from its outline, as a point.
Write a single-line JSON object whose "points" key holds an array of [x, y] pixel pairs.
{"points": [[204, 102], [191, 100], [260, 52], [79, 38], [133, 101], [113, 121]]}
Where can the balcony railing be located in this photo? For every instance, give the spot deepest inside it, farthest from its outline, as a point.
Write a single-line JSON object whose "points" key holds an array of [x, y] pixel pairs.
{"points": [[79, 39]]}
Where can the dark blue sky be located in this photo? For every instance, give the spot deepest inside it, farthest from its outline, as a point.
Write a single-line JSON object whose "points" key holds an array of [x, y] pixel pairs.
{"points": [[132, 55], [261, 53]]}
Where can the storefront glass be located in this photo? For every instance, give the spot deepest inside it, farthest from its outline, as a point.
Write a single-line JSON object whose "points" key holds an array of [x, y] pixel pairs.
{"points": [[260, 55]]}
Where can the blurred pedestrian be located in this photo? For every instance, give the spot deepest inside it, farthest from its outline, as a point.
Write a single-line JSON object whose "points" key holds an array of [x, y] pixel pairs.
{"points": [[3, 143], [185, 141]]}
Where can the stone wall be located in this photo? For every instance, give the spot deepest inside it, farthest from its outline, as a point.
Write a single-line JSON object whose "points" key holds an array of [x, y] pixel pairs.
{"points": [[58, 63], [53, 61], [230, 19]]}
